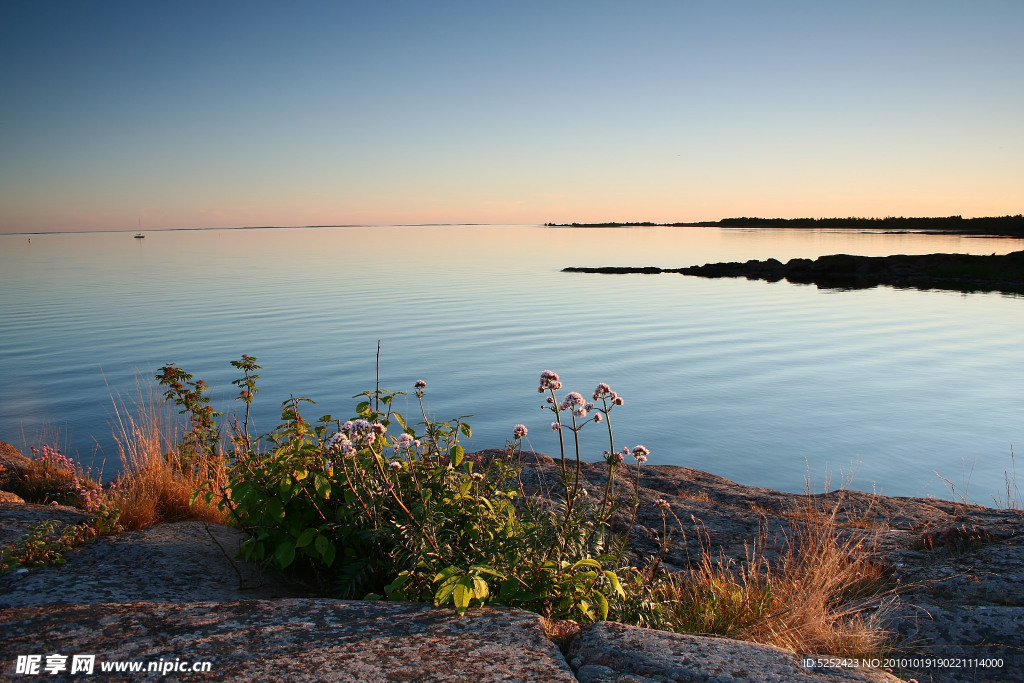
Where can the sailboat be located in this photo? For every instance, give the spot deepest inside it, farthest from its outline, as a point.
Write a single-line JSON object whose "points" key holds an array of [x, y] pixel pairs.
{"points": [[139, 234]]}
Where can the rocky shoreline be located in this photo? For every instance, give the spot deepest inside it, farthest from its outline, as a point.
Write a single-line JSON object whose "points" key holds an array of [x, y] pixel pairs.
{"points": [[957, 578], [961, 272]]}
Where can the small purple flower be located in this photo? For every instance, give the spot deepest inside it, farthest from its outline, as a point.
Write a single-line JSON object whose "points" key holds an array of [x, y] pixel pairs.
{"points": [[420, 384], [555, 427], [601, 390], [519, 431], [395, 465], [379, 428], [477, 476], [404, 441], [598, 418], [662, 504]]}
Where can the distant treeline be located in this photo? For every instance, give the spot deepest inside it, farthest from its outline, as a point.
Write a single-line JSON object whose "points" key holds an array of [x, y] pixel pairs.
{"points": [[996, 225]]}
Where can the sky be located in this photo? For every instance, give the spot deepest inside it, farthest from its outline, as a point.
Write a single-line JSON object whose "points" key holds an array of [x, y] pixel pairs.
{"points": [[119, 114]]}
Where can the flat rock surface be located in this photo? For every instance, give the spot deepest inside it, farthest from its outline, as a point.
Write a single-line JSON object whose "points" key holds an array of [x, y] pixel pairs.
{"points": [[614, 653], [957, 574], [178, 562], [291, 640]]}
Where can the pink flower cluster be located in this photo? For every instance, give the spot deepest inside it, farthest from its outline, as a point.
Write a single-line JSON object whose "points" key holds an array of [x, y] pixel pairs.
{"points": [[548, 382], [605, 391]]}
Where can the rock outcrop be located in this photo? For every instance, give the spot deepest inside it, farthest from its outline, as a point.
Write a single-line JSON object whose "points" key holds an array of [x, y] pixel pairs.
{"points": [[962, 272], [174, 591]]}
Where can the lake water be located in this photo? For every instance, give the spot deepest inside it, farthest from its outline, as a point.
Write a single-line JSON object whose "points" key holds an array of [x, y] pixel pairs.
{"points": [[759, 382]]}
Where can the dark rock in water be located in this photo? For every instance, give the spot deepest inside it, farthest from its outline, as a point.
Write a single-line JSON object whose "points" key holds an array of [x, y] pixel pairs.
{"points": [[962, 272]]}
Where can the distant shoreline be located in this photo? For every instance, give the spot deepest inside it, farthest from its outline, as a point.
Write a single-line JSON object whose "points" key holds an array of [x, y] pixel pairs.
{"points": [[996, 226]]}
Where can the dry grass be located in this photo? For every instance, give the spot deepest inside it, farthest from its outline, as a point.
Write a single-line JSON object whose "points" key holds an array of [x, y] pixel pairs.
{"points": [[157, 484], [824, 593]]}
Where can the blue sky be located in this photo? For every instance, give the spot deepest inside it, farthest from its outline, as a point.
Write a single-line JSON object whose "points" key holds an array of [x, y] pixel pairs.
{"points": [[221, 114]]}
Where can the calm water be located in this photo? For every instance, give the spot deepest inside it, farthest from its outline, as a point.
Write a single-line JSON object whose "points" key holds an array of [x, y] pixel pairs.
{"points": [[761, 383]]}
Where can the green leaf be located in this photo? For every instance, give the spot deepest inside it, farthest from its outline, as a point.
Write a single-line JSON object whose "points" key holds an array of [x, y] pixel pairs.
{"points": [[480, 589], [305, 538], [285, 553], [456, 453], [321, 544], [445, 591], [463, 594], [466, 429], [588, 562], [401, 421], [323, 487], [446, 573], [613, 581], [602, 603], [329, 553], [276, 509], [484, 569]]}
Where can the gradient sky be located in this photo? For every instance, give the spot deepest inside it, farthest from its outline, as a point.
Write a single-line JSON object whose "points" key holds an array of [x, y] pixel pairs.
{"points": [[230, 113]]}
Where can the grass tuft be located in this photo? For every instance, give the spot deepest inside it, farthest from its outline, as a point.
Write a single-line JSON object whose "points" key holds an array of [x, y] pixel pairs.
{"points": [[823, 594], [157, 483]]}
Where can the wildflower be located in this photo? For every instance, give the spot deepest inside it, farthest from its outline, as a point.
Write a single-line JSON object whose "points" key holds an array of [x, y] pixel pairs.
{"points": [[641, 453], [598, 418], [617, 400], [404, 441], [583, 493], [388, 486], [420, 384], [379, 428], [477, 476], [662, 504], [519, 431], [602, 390], [573, 398], [555, 427], [395, 465], [548, 381]]}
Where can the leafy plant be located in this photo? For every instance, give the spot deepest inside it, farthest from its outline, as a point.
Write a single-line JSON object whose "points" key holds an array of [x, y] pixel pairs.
{"points": [[380, 506]]}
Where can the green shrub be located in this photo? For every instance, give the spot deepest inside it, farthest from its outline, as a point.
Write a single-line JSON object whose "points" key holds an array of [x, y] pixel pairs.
{"points": [[378, 506]]}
